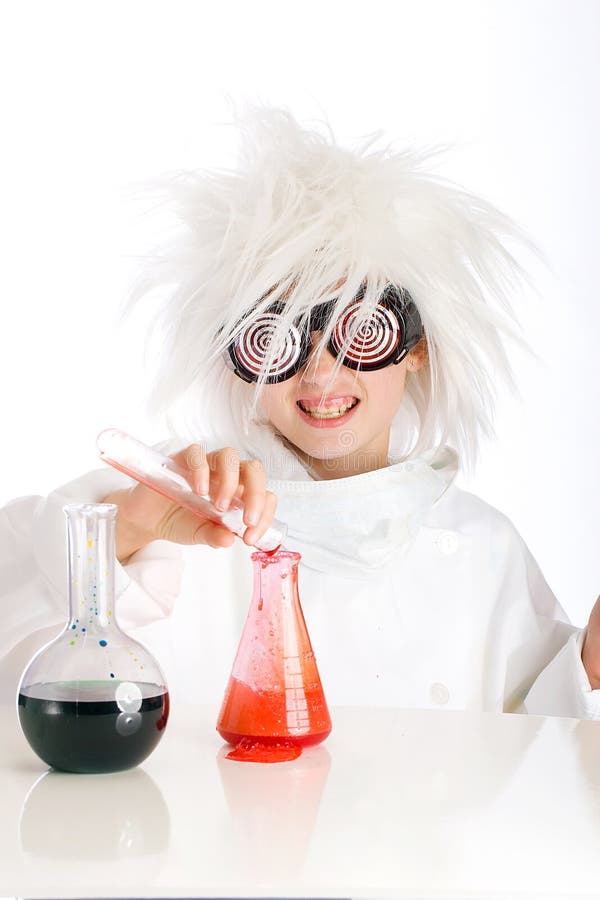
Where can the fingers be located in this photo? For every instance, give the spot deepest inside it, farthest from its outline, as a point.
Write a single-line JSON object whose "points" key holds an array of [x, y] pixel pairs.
{"points": [[255, 532], [254, 479], [194, 459], [183, 527], [215, 536], [238, 478], [224, 476]]}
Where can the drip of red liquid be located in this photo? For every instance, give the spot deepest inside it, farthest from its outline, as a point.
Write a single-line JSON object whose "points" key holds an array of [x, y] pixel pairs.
{"points": [[274, 704], [249, 750]]}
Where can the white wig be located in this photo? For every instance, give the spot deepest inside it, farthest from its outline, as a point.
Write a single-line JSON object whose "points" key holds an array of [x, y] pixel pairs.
{"points": [[298, 217]]}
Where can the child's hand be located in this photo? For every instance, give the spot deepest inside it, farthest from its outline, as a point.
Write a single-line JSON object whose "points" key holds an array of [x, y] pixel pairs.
{"points": [[145, 516], [590, 655]]}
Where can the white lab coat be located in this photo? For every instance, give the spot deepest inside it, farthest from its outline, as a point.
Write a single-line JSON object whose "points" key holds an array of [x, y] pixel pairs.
{"points": [[415, 593]]}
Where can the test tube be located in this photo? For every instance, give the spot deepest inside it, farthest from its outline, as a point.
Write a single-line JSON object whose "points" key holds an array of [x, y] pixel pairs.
{"points": [[164, 475]]}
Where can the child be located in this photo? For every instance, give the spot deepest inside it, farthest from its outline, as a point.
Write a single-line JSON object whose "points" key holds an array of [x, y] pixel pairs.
{"points": [[333, 333]]}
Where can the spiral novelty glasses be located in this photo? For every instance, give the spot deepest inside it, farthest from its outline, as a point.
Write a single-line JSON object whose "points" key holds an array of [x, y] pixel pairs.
{"points": [[384, 339]]}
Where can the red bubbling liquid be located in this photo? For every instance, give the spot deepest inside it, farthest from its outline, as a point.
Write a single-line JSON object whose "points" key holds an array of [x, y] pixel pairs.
{"points": [[273, 726]]}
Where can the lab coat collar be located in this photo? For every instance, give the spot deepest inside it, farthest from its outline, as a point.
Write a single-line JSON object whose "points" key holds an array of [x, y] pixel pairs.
{"points": [[357, 526]]}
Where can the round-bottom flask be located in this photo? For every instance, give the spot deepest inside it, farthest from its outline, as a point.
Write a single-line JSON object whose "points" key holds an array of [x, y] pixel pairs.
{"points": [[92, 700], [274, 704]]}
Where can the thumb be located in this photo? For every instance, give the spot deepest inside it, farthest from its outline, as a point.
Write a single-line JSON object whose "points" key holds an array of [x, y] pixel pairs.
{"points": [[213, 535]]}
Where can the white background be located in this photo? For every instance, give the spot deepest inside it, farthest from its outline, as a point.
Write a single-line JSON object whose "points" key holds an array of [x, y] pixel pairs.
{"points": [[97, 95]]}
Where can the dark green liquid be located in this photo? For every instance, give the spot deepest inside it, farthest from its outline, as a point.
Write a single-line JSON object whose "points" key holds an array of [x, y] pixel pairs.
{"points": [[81, 726]]}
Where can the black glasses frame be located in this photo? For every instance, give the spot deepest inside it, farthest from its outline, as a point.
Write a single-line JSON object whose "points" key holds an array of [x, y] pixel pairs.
{"points": [[397, 300]]}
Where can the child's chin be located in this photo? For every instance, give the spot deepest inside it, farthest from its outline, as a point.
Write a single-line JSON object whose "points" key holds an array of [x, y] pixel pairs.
{"points": [[324, 444], [318, 451]]}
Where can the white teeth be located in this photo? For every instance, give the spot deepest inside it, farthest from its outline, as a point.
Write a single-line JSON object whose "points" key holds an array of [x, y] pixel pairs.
{"points": [[328, 412]]}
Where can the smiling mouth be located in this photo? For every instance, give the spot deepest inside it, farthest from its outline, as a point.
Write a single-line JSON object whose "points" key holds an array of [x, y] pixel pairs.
{"points": [[331, 409]]}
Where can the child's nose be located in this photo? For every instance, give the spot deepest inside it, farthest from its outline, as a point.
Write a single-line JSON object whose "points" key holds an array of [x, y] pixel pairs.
{"points": [[317, 368]]}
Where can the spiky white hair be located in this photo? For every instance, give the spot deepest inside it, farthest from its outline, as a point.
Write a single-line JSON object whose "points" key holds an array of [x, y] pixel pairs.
{"points": [[298, 217]]}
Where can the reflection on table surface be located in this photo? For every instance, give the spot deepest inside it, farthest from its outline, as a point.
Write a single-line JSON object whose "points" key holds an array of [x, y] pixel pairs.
{"points": [[90, 819], [398, 803]]}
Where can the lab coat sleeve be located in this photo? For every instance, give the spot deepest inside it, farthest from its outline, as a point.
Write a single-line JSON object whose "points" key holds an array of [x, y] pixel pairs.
{"points": [[563, 688], [544, 669], [33, 565]]}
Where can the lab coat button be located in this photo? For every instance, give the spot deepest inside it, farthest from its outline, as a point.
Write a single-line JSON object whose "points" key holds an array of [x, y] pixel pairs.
{"points": [[439, 693], [447, 543]]}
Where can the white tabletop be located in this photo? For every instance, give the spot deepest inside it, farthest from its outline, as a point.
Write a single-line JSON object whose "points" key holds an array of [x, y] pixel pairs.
{"points": [[396, 803]]}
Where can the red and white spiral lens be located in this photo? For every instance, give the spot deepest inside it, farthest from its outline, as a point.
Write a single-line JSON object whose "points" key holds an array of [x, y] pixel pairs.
{"points": [[373, 344], [252, 348]]}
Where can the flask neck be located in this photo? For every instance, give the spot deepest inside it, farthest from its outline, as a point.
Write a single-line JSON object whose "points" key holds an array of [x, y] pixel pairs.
{"points": [[275, 580], [275, 619], [91, 560]]}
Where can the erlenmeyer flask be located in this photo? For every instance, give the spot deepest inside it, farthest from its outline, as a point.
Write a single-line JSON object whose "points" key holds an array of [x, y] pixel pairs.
{"points": [[274, 704], [93, 699]]}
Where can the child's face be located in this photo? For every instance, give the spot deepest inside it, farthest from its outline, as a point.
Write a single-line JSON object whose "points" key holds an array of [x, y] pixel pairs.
{"points": [[355, 441]]}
